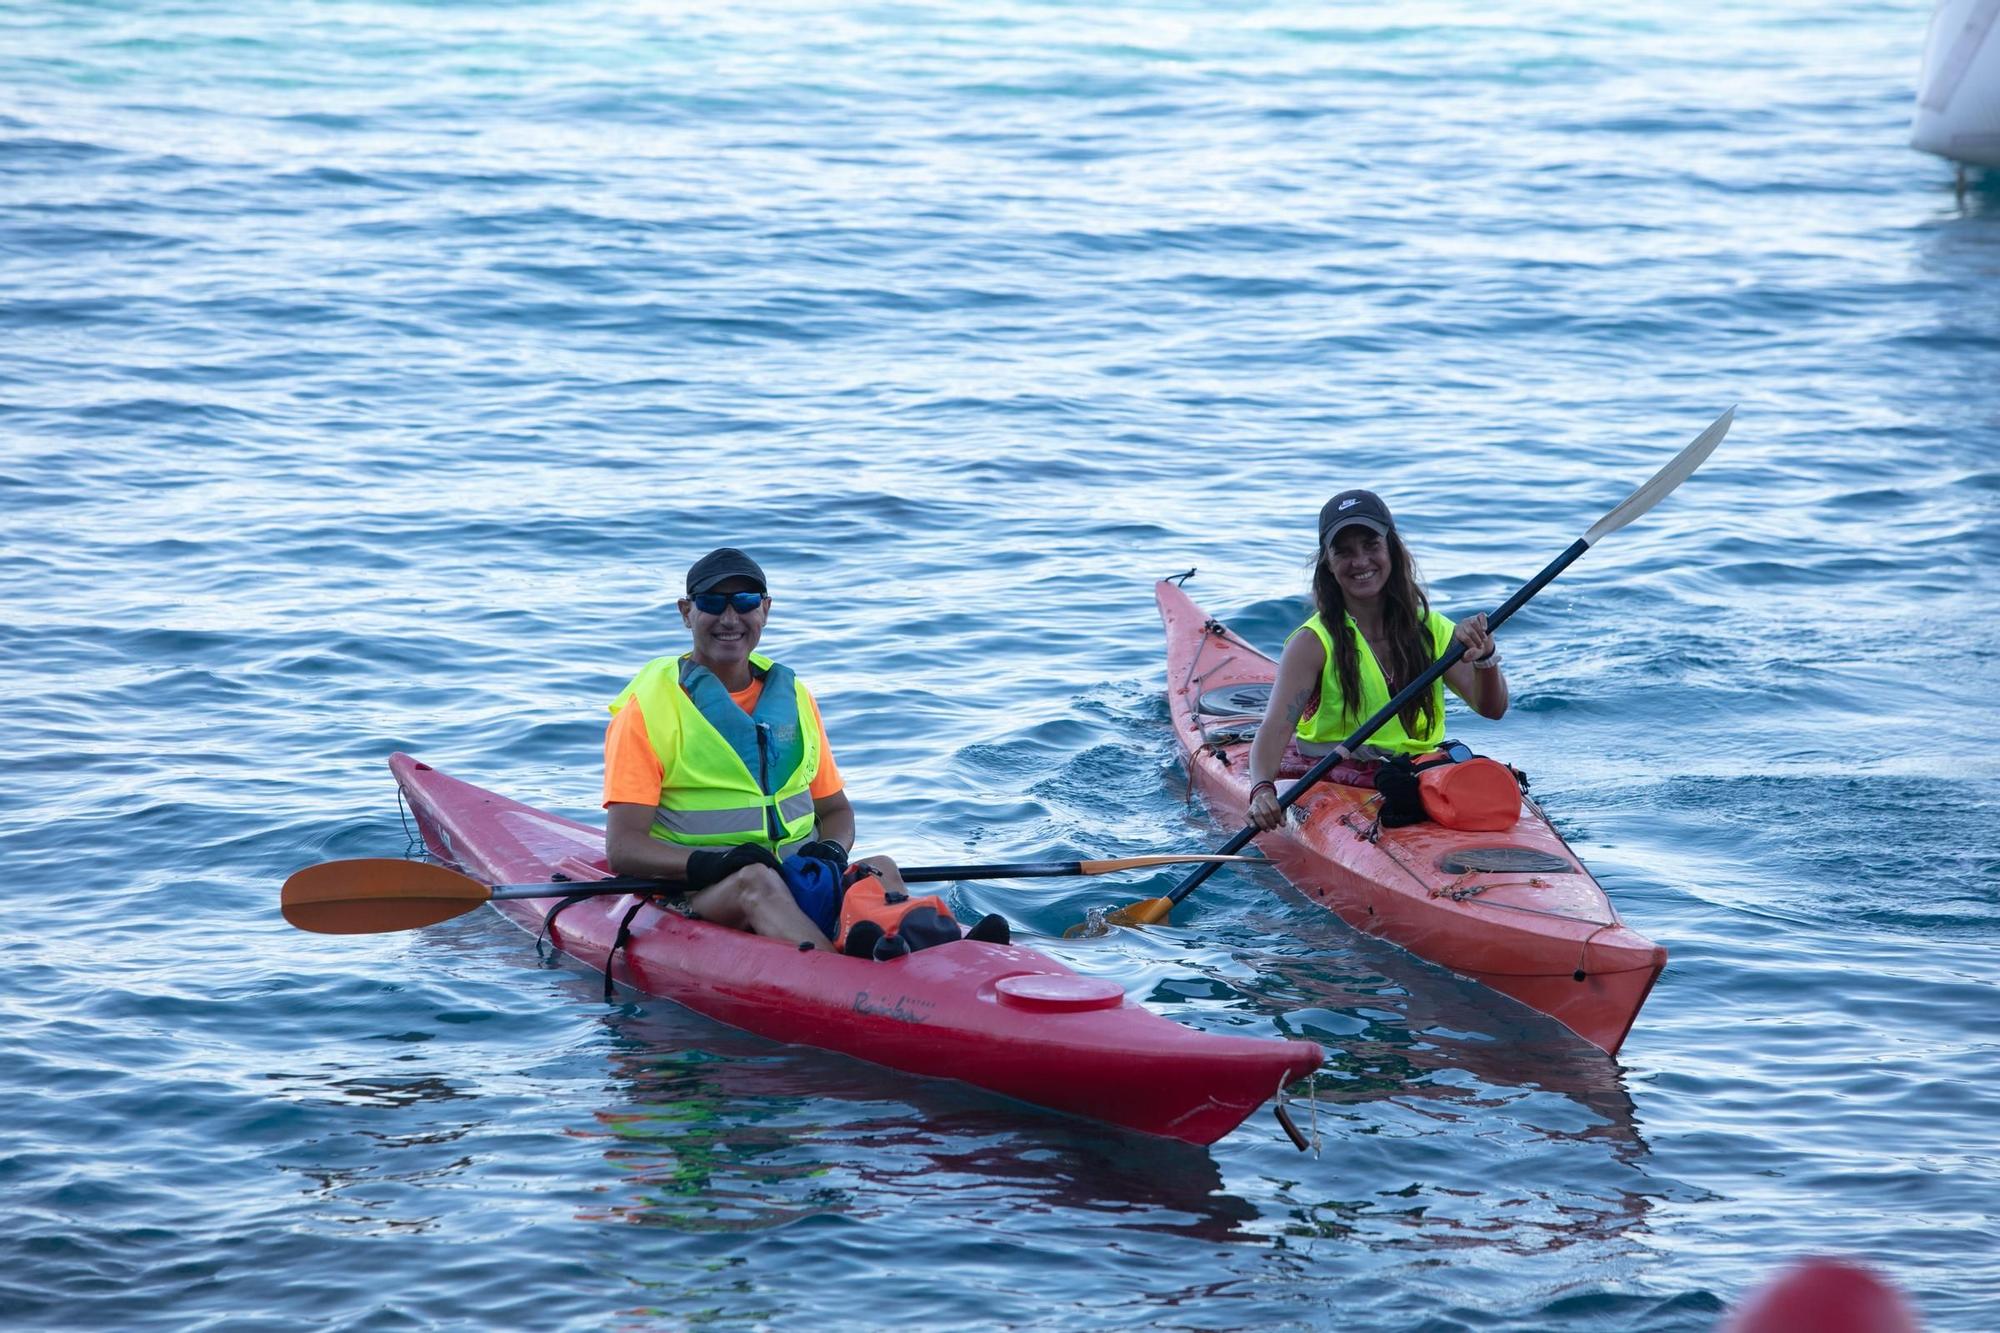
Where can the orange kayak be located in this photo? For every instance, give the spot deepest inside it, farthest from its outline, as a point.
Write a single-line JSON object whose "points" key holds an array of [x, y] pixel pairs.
{"points": [[1514, 910]]}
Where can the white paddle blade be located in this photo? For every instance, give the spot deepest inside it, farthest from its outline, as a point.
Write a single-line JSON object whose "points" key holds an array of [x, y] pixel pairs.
{"points": [[1664, 481]]}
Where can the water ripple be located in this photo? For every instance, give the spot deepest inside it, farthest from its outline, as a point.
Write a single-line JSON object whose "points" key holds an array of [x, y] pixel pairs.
{"points": [[368, 381]]}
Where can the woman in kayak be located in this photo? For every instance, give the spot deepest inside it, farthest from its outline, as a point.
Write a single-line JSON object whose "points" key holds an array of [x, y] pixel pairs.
{"points": [[717, 773], [1372, 632]]}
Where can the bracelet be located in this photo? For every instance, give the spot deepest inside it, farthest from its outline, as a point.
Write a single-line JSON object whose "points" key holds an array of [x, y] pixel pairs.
{"points": [[1266, 783], [1488, 662]]}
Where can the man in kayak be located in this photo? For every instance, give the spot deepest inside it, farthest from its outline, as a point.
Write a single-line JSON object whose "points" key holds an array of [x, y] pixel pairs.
{"points": [[717, 770], [1372, 631]]}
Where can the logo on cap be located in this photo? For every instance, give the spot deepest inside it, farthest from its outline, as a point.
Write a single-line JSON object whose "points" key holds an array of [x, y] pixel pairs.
{"points": [[1350, 502]]}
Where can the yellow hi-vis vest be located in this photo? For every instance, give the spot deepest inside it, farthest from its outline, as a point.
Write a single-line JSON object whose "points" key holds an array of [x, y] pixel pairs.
{"points": [[731, 777], [1336, 718]]}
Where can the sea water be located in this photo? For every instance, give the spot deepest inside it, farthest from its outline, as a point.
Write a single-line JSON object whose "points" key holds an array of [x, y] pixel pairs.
{"points": [[370, 373]]}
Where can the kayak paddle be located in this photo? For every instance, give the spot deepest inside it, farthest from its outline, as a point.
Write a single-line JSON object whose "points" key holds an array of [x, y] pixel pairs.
{"points": [[368, 895], [1154, 910]]}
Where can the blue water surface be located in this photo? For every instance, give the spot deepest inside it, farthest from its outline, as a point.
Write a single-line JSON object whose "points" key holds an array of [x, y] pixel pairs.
{"points": [[370, 373]]}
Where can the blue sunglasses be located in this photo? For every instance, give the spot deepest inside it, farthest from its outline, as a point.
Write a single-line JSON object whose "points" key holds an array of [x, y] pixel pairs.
{"points": [[714, 603]]}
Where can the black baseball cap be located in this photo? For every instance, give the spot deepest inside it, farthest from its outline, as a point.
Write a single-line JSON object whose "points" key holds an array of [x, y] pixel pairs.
{"points": [[724, 562], [1351, 507]]}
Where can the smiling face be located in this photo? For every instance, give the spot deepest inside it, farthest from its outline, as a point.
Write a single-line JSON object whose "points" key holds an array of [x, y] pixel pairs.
{"points": [[1361, 564], [724, 640]]}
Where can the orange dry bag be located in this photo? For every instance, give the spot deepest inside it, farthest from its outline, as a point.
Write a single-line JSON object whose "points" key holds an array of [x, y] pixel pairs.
{"points": [[1478, 794], [871, 917]]}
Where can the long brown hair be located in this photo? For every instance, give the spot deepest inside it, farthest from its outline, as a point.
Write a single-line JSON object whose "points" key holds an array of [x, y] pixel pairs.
{"points": [[1405, 622]]}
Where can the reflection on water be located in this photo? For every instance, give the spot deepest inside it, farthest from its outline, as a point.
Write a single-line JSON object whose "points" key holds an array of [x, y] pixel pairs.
{"points": [[707, 1133], [716, 1132], [1397, 1028], [1416, 1056], [394, 1092], [719, 1131], [374, 1179], [705, 1147]]}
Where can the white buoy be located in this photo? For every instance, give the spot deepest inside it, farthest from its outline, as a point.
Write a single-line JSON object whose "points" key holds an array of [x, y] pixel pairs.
{"points": [[1958, 90]]}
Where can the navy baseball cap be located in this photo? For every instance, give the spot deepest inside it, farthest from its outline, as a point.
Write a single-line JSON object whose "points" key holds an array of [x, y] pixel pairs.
{"points": [[724, 562]]}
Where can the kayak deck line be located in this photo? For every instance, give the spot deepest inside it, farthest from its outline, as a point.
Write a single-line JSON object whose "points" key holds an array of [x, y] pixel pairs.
{"points": [[1473, 883], [1550, 939], [1001, 1017]]}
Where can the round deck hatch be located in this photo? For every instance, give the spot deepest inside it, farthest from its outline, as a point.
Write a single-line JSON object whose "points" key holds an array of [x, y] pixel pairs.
{"points": [[1506, 860], [1059, 991], [1236, 700]]}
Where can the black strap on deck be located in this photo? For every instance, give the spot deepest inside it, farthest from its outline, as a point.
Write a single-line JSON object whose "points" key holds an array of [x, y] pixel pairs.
{"points": [[620, 941], [623, 938], [550, 920]]}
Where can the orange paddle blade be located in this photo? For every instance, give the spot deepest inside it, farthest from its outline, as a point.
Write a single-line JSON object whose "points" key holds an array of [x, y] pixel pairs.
{"points": [[369, 895], [1151, 912]]}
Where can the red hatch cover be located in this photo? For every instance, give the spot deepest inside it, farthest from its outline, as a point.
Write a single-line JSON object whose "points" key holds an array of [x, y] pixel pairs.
{"points": [[1059, 991]]}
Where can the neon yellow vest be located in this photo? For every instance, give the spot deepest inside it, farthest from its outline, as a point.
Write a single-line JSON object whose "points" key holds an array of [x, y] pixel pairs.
{"points": [[731, 777], [1336, 718]]}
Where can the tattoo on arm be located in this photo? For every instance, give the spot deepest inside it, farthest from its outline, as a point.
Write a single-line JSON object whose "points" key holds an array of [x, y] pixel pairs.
{"points": [[1294, 705]]}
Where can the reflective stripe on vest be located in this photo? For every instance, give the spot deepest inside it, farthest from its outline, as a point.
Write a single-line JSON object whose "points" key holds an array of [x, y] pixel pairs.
{"points": [[730, 777], [1335, 720]]}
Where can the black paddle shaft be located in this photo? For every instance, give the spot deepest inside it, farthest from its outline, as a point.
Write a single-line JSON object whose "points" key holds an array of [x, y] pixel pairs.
{"points": [[911, 875], [1387, 711]]}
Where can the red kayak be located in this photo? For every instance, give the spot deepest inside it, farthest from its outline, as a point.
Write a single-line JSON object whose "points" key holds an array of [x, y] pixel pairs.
{"points": [[1002, 1017], [1515, 910]]}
